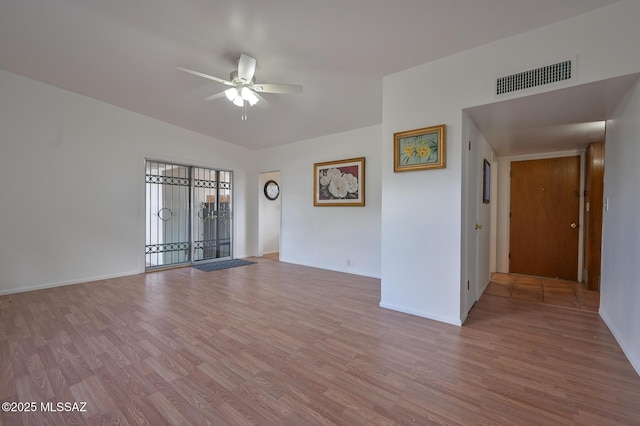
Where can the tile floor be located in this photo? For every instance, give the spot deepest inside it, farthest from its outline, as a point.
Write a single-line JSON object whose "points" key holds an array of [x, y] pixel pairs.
{"points": [[544, 290]]}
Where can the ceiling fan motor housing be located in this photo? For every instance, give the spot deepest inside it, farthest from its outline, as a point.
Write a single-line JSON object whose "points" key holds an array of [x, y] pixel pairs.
{"points": [[233, 77]]}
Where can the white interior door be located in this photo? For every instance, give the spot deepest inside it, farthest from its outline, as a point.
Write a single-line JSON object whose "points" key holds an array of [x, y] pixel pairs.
{"points": [[472, 198]]}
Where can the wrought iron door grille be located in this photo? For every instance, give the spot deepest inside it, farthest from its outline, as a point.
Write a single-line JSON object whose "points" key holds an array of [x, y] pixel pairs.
{"points": [[212, 228], [168, 180], [204, 244], [165, 248], [188, 214], [213, 184]]}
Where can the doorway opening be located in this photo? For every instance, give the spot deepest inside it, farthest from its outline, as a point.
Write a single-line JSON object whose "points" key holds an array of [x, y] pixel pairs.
{"points": [[270, 208], [543, 248]]}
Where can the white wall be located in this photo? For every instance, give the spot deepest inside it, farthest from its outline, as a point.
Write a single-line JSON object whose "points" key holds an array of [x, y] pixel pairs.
{"points": [[72, 192], [620, 282], [269, 216], [325, 237], [421, 211]]}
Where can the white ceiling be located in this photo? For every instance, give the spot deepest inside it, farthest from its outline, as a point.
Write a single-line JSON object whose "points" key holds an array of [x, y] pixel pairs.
{"points": [[561, 120], [126, 52]]}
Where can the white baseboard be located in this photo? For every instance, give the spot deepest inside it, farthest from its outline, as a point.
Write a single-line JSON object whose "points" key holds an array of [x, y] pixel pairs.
{"points": [[346, 270], [63, 283], [452, 321]]}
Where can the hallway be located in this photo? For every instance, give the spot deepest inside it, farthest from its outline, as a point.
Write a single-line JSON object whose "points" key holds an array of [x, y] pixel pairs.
{"points": [[549, 291]]}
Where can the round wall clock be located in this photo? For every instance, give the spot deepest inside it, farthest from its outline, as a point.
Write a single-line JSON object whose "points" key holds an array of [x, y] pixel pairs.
{"points": [[271, 189]]}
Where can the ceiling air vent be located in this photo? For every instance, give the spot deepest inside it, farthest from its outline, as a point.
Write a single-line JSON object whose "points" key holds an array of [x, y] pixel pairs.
{"points": [[536, 77]]}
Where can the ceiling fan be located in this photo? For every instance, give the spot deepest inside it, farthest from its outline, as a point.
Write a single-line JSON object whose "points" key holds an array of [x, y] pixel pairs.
{"points": [[243, 88]]}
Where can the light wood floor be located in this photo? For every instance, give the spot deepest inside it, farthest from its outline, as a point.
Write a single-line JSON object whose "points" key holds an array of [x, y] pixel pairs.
{"points": [[274, 343], [273, 256]]}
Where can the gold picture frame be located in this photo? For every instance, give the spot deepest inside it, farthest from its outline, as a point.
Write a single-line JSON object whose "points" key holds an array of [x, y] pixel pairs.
{"points": [[339, 183], [420, 149]]}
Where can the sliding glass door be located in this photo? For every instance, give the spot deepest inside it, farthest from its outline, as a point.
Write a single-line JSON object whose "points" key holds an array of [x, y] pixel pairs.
{"points": [[188, 214], [168, 225], [212, 220]]}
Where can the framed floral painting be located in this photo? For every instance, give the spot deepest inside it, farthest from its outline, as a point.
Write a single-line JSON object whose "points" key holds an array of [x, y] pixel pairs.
{"points": [[339, 183], [419, 149], [486, 182]]}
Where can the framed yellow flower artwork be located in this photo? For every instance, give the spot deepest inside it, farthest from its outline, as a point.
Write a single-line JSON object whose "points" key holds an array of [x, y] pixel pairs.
{"points": [[419, 149]]}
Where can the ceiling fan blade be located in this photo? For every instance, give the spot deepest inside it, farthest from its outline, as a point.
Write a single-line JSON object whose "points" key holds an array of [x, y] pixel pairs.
{"points": [[246, 67], [215, 96], [210, 77], [277, 88], [263, 103]]}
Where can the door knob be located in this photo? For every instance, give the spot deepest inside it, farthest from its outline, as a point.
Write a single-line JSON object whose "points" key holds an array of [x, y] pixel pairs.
{"points": [[573, 225], [478, 226]]}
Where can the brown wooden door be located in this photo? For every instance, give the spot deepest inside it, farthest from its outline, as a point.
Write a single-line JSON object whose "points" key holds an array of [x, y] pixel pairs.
{"points": [[545, 203], [593, 211]]}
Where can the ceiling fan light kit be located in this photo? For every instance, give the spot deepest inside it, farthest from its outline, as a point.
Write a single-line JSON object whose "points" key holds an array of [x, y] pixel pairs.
{"points": [[244, 90], [239, 97]]}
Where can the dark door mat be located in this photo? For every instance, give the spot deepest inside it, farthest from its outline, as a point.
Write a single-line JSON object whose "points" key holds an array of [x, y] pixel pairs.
{"points": [[223, 264]]}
